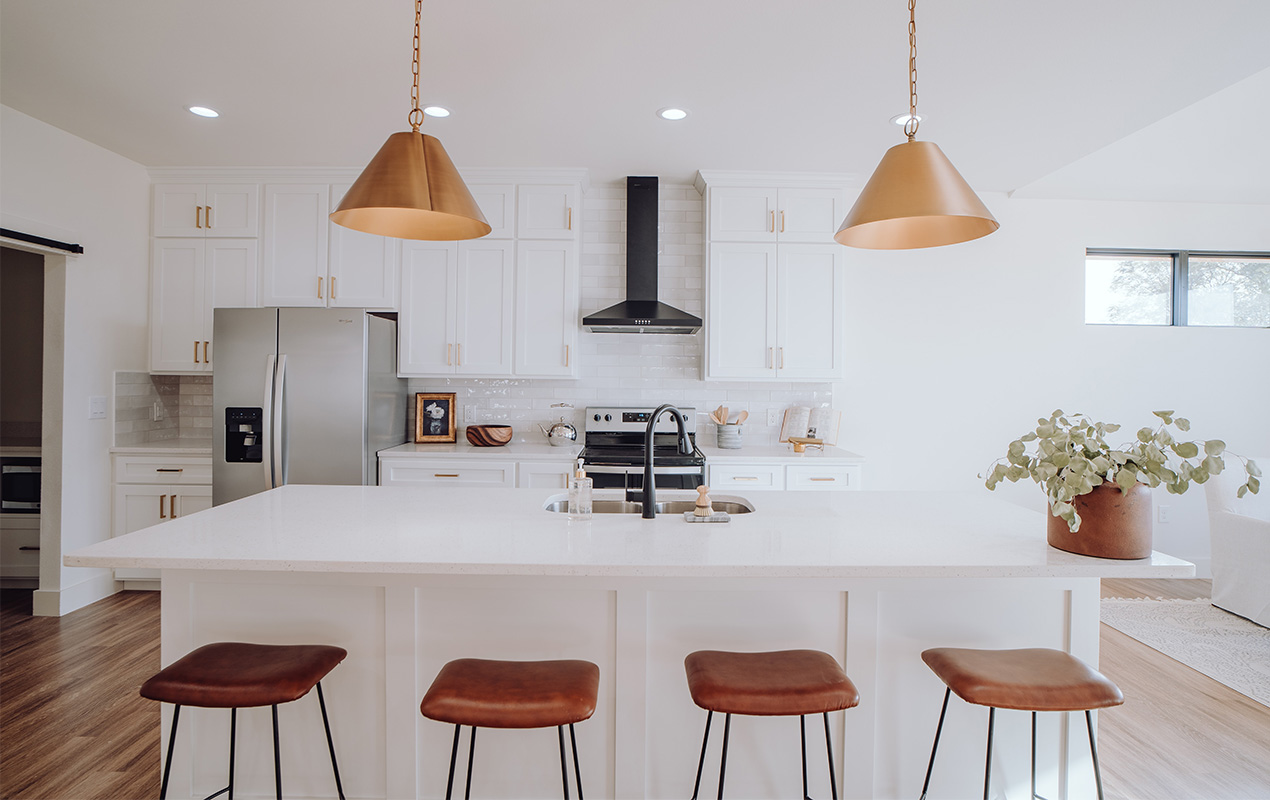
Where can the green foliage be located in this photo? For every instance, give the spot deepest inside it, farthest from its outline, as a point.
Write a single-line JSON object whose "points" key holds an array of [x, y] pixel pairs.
{"points": [[1069, 456]]}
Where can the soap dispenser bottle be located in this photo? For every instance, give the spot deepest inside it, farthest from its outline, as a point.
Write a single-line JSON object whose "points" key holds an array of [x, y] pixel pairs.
{"points": [[579, 495]]}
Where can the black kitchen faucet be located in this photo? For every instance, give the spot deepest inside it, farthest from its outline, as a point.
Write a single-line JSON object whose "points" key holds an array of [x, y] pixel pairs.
{"points": [[685, 448]]}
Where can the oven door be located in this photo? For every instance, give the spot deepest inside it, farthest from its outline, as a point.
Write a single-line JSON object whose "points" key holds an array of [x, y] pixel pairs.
{"points": [[631, 477]]}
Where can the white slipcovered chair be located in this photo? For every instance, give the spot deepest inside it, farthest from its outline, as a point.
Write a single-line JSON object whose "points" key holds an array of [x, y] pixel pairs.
{"points": [[1239, 529]]}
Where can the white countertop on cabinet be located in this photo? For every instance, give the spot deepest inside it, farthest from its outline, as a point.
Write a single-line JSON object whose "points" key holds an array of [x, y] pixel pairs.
{"points": [[777, 454], [471, 531], [512, 451], [171, 447]]}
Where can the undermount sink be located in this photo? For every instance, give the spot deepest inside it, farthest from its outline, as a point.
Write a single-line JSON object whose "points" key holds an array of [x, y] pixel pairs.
{"points": [[732, 505]]}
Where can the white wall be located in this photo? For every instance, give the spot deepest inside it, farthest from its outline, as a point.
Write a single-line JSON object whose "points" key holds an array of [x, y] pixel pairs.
{"points": [[55, 181], [958, 350]]}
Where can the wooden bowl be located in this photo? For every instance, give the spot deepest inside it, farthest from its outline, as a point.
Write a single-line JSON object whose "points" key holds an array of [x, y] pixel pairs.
{"points": [[489, 435]]}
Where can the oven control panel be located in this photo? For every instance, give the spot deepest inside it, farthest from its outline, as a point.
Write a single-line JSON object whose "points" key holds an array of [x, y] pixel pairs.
{"points": [[629, 419]]}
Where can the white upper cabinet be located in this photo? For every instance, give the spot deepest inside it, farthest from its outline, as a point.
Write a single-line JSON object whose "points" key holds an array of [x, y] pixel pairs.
{"points": [[362, 270], [498, 204], [546, 309], [295, 245], [189, 278], [457, 308], [776, 289], [199, 210], [546, 211], [769, 214]]}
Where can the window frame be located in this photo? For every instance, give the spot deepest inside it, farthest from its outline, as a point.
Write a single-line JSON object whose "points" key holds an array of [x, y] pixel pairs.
{"points": [[1180, 285]]}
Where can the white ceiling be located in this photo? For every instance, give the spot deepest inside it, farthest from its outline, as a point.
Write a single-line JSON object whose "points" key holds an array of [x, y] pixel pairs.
{"points": [[1118, 99]]}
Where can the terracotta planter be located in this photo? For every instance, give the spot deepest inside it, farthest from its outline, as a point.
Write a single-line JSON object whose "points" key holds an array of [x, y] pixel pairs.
{"points": [[1113, 525]]}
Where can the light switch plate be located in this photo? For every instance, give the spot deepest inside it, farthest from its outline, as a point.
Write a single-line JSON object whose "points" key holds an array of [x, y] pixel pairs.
{"points": [[773, 417], [97, 407]]}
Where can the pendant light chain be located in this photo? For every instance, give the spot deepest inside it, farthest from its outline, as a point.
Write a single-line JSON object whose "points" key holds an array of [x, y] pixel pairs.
{"points": [[910, 126], [415, 117]]}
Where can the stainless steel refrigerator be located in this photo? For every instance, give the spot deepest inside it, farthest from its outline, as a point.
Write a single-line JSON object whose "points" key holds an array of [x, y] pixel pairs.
{"points": [[302, 395]]}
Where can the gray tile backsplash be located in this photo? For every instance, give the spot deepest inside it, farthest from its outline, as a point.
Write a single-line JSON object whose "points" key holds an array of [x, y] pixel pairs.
{"points": [[631, 369], [158, 408]]}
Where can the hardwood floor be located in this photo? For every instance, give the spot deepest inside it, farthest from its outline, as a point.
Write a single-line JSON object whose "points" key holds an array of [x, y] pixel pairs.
{"points": [[72, 726]]}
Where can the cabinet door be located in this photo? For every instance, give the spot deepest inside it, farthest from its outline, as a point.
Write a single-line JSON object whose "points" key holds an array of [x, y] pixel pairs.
{"points": [[810, 215], [483, 335], [177, 306], [547, 211], [138, 507], [425, 327], [543, 474], [295, 245], [363, 266], [498, 204], [741, 317], [178, 209], [742, 215], [546, 309], [430, 472], [232, 275], [232, 210], [191, 499], [810, 312]]}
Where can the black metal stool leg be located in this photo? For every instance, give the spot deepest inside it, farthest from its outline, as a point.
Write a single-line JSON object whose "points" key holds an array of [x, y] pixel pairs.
{"points": [[938, 730], [723, 762], [1093, 751], [987, 770], [696, 787], [167, 766], [802, 739], [277, 755], [833, 781], [233, 736], [330, 743], [454, 756], [577, 770], [564, 768], [471, 756], [1033, 795]]}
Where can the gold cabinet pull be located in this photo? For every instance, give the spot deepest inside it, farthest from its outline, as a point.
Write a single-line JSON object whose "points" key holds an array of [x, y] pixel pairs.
{"points": [[782, 221], [198, 216], [319, 288], [458, 354], [782, 366], [816, 480], [445, 475], [206, 360], [207, 216], [570, 222], [566, 355], [449, 352], [162, 498], [196, 361], [172, 506], [773, 227], [745, 478], [332, 287], [768, 364]]}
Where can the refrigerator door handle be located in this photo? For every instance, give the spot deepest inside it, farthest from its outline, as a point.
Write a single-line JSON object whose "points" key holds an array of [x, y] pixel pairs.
{"points": [[279, 393], [266, 433]]}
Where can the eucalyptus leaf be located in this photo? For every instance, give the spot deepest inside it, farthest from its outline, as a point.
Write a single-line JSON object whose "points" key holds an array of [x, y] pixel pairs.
{"points": [[1182, 424], [1214, 447], [1186, 449], [1252, 468], [1167, 416], [1145, 435]]}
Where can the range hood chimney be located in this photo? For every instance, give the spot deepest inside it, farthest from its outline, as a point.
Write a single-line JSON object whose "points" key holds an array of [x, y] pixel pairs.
{"points": [[641, 312]]}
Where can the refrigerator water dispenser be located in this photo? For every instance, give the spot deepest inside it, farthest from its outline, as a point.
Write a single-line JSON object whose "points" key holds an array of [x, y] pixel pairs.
{"points": [[242, 435]]}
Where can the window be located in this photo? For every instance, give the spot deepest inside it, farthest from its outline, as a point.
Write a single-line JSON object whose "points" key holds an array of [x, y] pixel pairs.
{"points": [[1158, 287]]}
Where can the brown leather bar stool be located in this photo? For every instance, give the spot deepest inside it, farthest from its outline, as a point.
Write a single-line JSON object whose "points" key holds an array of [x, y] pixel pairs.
{"points": [[482, 693], [785, 683], [1033, 680], [236, 675]]}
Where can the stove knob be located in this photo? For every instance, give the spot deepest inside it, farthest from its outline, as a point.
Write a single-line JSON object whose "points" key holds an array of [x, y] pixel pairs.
{"points": [[608, 417], [597, 417]]}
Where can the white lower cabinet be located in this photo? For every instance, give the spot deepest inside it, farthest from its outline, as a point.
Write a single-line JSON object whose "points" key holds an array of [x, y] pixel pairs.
{"points": [[149, 490], [543, 474], [20, 546], [800, 477], [746, 476], [437, 472], [822, 478]]}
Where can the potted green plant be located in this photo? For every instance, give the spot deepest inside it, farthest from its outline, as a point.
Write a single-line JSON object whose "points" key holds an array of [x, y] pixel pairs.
{"points": [[1069, 456]]}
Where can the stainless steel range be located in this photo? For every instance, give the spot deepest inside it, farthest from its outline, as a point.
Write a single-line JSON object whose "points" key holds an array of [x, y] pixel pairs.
{"points": [[613, 449]]}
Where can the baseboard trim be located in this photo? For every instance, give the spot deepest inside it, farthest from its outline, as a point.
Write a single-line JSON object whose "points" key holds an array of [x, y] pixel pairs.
{"points": [[56, 602]]}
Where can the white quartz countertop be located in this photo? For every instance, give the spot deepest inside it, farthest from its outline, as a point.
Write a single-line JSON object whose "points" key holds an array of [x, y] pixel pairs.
{"points": [[478, 531], [170, 447], [776, 454], [512, 451]]}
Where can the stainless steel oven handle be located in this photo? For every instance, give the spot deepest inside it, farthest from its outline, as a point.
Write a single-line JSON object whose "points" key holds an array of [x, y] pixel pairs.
{"points": [[638, 469]]}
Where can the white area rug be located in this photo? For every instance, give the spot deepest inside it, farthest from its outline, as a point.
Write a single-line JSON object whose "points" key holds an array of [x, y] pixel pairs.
{"points": [[1225, 647]]}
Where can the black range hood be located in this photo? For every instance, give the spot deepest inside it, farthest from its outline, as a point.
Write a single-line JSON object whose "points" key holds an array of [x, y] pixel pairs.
{"points": [[641, 312]]}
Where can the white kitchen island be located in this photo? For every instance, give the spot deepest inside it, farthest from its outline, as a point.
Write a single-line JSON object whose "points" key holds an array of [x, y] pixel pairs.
{"points": [[406, 579]]}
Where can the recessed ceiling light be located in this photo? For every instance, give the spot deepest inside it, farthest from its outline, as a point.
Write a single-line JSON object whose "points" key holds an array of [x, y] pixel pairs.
{"points": [[900, 119], [672, 113], [436, 111], [203, 111]]}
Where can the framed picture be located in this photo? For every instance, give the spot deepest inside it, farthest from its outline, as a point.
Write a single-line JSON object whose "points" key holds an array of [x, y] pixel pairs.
{"points": [[434, 417]]}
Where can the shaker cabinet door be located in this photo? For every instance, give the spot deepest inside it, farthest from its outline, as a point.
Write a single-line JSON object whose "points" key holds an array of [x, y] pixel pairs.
{"points": [[742, 311], [295, 245], [810, 312], [425, 328], [546, 309], [177, 306], [363, 266], [483, 336]]}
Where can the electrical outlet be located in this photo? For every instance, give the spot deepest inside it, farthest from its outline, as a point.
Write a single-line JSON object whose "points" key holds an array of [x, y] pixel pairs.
{"points": [[773, 417], [467, 414], [97, 407], [156, 413], [1163, 515]]}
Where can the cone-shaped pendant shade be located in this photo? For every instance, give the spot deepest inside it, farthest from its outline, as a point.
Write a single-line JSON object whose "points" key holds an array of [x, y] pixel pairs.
{"points": [[916, 198], [411, 190]]}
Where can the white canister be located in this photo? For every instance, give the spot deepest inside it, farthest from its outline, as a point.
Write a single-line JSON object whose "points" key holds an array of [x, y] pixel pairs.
{"points": [[729, 437]]}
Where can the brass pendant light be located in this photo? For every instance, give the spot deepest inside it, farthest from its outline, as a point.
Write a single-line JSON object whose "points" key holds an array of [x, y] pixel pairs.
{"points": [[916, 198], [410, 189]]}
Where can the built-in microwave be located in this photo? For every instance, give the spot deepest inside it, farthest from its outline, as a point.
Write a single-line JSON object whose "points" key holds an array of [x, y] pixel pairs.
{"points": [[20, 485]]}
